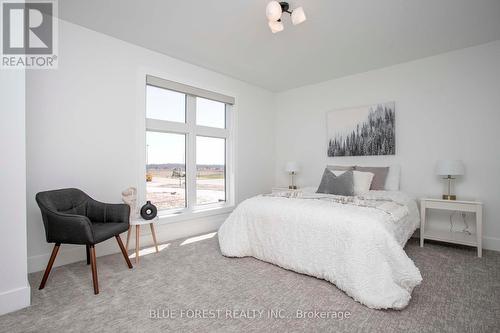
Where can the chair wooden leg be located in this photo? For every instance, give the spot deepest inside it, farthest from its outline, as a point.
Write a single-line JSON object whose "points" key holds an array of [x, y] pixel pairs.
{"points": [[128, 237], [93, 265], [88, 254], [49, 265], [124, 252], [154, 236]]}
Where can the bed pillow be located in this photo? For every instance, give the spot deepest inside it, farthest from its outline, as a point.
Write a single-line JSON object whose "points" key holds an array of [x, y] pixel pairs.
{"points": [[361, 180], [392, 181], [339, 185], [379, 176]]}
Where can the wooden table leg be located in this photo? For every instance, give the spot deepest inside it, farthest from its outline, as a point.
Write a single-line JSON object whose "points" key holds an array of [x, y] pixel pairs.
{"points": [[154, 236], [128, 237], [137, 235]]}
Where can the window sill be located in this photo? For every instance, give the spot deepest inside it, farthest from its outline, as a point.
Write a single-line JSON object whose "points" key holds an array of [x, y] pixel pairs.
{"points": [[195, 214]]}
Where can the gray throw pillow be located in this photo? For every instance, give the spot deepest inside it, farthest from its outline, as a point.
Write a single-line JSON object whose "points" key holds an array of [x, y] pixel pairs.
{"points": [[339, 185], [379, 176]]}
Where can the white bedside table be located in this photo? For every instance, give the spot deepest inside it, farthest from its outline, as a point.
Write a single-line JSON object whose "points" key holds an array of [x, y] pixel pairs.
{"points": [[137, 222], [451, 236]]}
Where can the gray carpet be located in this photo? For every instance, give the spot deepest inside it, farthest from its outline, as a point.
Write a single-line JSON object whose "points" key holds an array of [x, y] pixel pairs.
{"points": [[459, 293]]}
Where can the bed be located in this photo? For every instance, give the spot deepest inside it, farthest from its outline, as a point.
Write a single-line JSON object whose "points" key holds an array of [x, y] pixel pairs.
{"points": [[354, 242]]}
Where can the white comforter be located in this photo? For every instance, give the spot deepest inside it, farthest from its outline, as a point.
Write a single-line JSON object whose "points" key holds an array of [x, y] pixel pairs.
{"points": [[359, 249]]}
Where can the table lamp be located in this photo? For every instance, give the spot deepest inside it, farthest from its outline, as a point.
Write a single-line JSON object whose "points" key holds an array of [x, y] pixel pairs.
{"points": [[292, 168], [450, 168]]}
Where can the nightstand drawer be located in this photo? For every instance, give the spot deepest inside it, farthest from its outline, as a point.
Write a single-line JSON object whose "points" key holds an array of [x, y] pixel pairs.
{"points": [[451, 205]]}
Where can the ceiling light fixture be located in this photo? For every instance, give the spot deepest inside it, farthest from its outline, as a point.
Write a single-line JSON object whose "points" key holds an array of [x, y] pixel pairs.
{"points": [[275, 10]]}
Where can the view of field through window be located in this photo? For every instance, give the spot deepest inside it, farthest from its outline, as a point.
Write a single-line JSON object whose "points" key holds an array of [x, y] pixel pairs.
{"points": [[210, 170], [166, 153], [166, 169], [166, 187]]}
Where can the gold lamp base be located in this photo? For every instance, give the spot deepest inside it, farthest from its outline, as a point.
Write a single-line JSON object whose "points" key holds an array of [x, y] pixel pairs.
{"points": [[449, 197]]}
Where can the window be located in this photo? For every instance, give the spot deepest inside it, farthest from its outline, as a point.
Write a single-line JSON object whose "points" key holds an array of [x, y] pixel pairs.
{"points": [[210, 170], [166, 169], [210, 113], [165, 104], [188, 147]]}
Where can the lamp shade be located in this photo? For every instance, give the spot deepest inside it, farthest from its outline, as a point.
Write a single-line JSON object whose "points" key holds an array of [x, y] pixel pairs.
{"points": [[273, 11], [276, 26], [298, 16], [292, 167], [450, 168]]}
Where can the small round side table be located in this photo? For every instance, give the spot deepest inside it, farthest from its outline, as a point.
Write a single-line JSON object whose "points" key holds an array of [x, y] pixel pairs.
{"points": [[137, 222]]}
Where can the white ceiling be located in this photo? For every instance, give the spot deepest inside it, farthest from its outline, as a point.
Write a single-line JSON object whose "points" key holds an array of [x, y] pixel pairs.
{"points": [[339, 38]]}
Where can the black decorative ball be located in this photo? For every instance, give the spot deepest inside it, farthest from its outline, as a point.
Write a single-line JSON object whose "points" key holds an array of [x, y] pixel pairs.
{"points": [[149, 211]]}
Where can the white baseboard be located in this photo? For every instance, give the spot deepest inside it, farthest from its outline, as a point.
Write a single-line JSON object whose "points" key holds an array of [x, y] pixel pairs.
{"points": [[491, 243], [15, 299], [164, 232]]}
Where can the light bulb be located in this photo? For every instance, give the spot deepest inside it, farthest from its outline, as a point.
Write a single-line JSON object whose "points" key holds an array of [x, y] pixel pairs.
{"points": [[273, 11], [298, 16], [276, 26]]}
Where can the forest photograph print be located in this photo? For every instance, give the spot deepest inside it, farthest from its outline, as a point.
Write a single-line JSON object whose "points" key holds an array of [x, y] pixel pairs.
{"points": [[362, 131]]}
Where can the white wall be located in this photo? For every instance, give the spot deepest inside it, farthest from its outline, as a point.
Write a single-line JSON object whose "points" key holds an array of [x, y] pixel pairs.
{"points": [[82, 129], [447, 106], [14, 287]]}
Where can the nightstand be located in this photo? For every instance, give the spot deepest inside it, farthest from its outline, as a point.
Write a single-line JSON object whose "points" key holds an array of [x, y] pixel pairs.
{"points": [[426, 232]]}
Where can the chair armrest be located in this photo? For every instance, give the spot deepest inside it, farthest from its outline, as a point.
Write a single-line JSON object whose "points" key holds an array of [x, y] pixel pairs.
{"points": [[106, 212], [68, 228]]}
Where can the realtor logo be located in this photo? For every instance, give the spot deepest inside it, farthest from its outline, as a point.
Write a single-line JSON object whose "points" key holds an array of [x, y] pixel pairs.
{"points": [[29, 34]]}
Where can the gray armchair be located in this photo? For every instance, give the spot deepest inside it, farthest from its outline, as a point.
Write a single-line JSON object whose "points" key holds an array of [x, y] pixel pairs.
{"points": [[72, 217]]}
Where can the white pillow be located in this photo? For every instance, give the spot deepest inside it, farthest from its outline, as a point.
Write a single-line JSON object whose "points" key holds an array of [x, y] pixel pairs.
{"points": [[392, 180], [362, 180]]}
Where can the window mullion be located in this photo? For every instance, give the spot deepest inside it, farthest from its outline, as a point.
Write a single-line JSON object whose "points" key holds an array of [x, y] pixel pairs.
{"points": [[212, 132], [191, 151], [166, 126], [229, 174]]}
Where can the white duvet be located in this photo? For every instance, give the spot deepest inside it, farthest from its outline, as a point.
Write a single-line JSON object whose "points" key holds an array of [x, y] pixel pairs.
{"points": [[357, 247]]}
